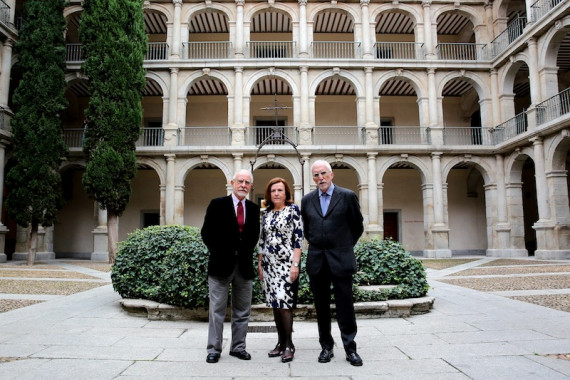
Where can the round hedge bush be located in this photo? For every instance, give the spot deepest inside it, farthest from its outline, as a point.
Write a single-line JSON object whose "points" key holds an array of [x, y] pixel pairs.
{"points": [[166, 264]]}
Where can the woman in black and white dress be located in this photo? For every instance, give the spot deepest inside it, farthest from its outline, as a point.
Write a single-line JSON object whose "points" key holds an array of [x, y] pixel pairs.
{"points": [[279, 259]]}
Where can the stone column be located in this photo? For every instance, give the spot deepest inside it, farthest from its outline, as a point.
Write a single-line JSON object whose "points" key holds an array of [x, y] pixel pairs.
{"points": [[373, 226], [428, 44], [5, 73], [175, 51], [3, 229], [100, 237], [495, 97], [366, 40], [239, 29], [238, 129], [171, 129], [179, 204], [535, 90], [380, 197], [439, 230], [307, 173], [436, 131], [169, 191], [549, 80], [370, 126], [303, 42], [305, 130], [516, 218]]}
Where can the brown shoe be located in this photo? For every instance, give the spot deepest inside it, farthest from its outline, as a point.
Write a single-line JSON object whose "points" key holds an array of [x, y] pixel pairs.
{"points": [[288, 354], [277, 351]]}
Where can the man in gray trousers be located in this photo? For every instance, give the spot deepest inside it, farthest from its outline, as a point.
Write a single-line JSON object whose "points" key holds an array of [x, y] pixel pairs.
{"points": [[231, 232]]}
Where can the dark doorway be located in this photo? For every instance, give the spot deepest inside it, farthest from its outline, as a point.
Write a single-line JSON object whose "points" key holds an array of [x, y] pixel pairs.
{"points": [[391, 226]]}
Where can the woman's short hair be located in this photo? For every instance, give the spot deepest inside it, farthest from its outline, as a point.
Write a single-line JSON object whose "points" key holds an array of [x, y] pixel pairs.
{"points": [[288, 195]]}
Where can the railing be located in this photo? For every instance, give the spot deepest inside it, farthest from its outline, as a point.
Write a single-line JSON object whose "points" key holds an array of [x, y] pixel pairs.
{"points": [[542, 7], [466, 136], [157, 51], [74, 137], [207, 50], [4, 13], [204, 136], [338, 135], [19, 22], [461, 51], [151, 137], [553, 107], [512, 32], [335, 49], [398, 135], [399, 50], [74, 53], [256, 135], [270, 49], [509, 129]]}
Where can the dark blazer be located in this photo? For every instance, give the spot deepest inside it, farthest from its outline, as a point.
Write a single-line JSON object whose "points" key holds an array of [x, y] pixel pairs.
{"points": [[227, 246], [332, 236]]}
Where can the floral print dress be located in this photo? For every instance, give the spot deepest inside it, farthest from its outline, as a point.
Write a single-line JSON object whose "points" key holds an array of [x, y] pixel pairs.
{"points": [[281, 233]]}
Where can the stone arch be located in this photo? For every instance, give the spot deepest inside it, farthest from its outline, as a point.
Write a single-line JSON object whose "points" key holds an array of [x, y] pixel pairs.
{"points": [[472, 14], [195, 162], [410, 11], [196, 75], [507, 77], [484, 168], [513, 165], [158, 168], [548, 51], [282, 74], [158, 79], [263, 7], [412, 78], [482, 91], [73, 164], [338, 6], [350, 161], [416, 162], [71, 10], [344, 74], [286, 162], [167, 11], [189, 13]]}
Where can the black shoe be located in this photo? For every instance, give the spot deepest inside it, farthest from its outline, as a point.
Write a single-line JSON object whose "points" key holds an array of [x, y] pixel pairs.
{"points": [[326, 355], [243, 355], [212, 358], [354, 359]]}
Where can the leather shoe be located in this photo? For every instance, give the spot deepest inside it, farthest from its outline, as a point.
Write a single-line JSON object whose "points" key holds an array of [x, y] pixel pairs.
{"points": [[212, 358], [243, 355], [326, 355], [354, 359]]}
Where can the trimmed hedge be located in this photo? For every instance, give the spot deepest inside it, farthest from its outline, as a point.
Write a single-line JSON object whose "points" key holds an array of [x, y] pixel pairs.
{"points": [[168, 264]]}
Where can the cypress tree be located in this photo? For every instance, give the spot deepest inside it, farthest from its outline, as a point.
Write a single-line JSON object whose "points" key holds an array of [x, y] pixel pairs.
{"points": [[34, 182], [114, 39]]}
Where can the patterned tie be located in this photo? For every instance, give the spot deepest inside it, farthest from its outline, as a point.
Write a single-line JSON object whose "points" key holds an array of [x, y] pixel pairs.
{"points": [[324, 203], [240, 217]]}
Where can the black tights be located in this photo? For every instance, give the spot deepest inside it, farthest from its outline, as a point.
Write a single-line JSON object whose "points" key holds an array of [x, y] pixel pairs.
{"points": [[284, 323]]}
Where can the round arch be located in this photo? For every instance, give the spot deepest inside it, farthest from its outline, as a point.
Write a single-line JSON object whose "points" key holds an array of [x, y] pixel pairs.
{"points": [[158, 79], [341, 74], [412, 78], [482, 90], [471, 13], [189, 81], [68, 11], [281, 7], [410, 11], [507, 77], [160, 9], [350, 161], [282, 74], [513, 166], [556, 152], [285, 162], [192, 163], [328, 7], [158, 168], [416, 162], [548, 50], [484, 168]]}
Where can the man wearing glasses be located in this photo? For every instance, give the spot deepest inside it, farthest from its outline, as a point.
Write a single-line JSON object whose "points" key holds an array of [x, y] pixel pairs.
{"points": [[332, 225], [231, 232]]}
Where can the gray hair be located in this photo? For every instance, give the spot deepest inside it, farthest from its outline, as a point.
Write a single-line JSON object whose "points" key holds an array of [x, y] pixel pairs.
{"points": [[243, 171], [322, 162]]}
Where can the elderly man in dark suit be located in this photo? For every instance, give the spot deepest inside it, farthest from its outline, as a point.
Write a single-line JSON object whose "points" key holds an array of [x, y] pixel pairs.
{"points": [[332, 225], [231, 232]]}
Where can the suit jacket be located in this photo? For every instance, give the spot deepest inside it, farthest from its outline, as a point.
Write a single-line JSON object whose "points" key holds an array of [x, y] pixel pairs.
{"points": [[332, 236], [227, 246]]}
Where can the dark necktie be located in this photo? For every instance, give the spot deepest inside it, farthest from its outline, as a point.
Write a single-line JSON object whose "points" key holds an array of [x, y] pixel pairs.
{"points": [[240, 217]]}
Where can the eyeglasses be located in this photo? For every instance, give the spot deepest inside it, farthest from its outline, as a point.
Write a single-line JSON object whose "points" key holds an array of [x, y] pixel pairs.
{"points": [[323, 173], [243, 182]]}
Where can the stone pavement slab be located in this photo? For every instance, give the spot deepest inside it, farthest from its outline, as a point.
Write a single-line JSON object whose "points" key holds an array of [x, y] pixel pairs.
{"points": [[467, 335]]}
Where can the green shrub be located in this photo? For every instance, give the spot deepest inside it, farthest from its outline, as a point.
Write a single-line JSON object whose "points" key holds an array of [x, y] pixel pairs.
{"points": [[166, 264], [386, 262]]}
